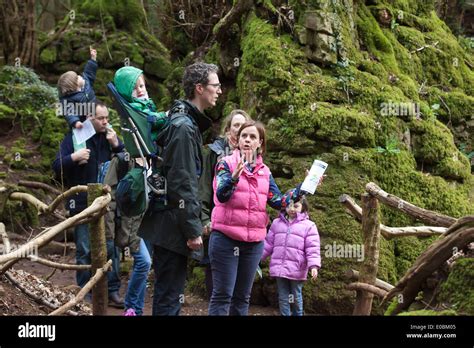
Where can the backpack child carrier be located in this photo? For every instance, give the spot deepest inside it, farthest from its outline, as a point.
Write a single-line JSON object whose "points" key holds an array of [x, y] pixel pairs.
{"points": [[136, 133]]}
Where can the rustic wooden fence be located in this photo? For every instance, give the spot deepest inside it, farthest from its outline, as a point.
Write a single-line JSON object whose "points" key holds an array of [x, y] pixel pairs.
{"points": [[454, 234], [98, 200]]}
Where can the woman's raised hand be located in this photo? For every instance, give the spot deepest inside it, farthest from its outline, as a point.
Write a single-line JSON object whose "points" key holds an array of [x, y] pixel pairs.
{"points": [[239, 169]]}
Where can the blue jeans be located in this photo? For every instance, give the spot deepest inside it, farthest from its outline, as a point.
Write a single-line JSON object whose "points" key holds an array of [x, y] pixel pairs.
{"points": [[290, 296], [135, 297], [233, 265], [170, 276], [83, 257]]}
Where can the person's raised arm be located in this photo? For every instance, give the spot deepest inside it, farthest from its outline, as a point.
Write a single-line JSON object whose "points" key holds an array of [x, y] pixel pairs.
{"points": [[225, 182], [90, 69], [278, 200]]}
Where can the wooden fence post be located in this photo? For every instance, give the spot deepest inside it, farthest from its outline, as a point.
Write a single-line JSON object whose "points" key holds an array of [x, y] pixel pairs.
{"points": [[371, 236], [98, 253]]}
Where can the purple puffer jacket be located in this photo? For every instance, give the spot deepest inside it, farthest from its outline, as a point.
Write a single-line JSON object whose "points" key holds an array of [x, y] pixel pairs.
{"points": [[294, 247]]}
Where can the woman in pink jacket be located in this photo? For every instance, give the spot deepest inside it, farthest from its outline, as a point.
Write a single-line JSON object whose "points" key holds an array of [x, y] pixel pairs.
{"points": [[243, 186], [293, 243]]}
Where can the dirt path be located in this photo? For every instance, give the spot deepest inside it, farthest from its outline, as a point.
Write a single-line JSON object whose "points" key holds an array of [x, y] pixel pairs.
{"points": [[193, 305]]}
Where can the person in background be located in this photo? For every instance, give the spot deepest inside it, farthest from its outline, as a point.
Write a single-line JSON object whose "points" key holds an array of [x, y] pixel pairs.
{"points": [[99, 150]]}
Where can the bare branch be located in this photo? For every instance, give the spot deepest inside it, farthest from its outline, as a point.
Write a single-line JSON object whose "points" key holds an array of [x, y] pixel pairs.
{"points": [[354, 275], [39, 185], [80, 296], [35, 297], [392, 232], [428, 216], [368, 288], [58, 265], [98, 205], [5, 239]]}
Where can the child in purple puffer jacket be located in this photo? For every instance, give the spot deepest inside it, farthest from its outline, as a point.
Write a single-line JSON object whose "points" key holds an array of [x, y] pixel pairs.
{"points": [[293, 243]]}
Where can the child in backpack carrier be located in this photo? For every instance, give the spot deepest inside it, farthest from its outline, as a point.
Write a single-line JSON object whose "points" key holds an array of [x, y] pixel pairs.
{"points": [[294, 247], [130, 83], [77, 97]]}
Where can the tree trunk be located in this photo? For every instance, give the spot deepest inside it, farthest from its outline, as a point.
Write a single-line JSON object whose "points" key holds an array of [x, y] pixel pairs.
{"points": [[20, 46], [98, 253], [371, 235]]}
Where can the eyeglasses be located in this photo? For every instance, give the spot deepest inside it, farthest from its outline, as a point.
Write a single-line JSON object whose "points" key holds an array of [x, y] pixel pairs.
{"points": [[218, 85]]}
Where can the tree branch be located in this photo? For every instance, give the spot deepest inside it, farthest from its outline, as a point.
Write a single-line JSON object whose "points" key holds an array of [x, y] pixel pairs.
{"points": [[392, 232], [58, 265], [35, 297], [367, 287], [222, 28], [80, 296], [428, 216], [39, 185], [98, 205], [354, 275]]}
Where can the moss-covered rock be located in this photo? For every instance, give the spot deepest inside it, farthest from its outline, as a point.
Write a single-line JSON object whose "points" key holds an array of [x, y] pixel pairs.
{"points": [[458, 290], [427, 312], [418, 156]]}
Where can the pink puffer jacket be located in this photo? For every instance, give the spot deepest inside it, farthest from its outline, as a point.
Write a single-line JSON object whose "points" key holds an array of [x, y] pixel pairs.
{"points": [[294, 247], [244, 216]]}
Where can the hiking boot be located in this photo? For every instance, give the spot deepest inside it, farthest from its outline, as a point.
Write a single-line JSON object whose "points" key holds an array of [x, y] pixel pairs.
{"points": [[115, 300], [129, 313]]}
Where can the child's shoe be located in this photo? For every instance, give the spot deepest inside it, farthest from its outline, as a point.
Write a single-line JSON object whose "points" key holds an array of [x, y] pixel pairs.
{"points": [[129, 313]]}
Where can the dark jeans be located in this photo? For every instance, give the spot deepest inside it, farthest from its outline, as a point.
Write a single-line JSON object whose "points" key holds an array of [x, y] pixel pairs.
{"points": [[83, 257], [170, 276], [233, 264]]}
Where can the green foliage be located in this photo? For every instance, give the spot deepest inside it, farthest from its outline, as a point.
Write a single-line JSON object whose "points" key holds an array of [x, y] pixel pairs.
{"points": [[21, 88], [458, 290], [126, 14], [391, 147], [427, 312]]}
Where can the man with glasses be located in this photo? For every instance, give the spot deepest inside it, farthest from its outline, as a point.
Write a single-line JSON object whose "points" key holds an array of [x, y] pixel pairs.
{"points": [[100, 148], [175, 231]]}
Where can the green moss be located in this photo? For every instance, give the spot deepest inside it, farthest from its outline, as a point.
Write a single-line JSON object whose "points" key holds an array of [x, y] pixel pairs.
{"points": [[375, 40], [196, 282], [433, 144], [455, 106], [6, 112], [458, 290], [16, 213], [410, 38], [126, 14], [49, 134], [343, 126], [48, 55], [427, 312]]}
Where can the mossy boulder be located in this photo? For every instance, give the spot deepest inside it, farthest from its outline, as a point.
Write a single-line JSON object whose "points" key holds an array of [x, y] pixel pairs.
{"points": [[336, 113], [458, 289]]}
